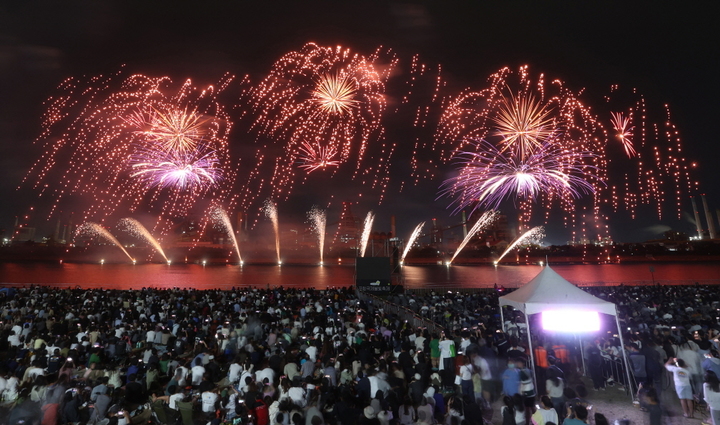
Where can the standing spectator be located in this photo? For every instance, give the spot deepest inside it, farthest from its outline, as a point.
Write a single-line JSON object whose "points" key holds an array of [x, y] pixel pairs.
{"points": [[683, 386], [447, 360], [466, 383], [435, 351], [711, 389], [637, 365], [511, 380]]}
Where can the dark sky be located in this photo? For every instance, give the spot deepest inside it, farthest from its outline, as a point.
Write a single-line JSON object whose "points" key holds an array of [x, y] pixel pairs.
{"points": [[668, 50]]}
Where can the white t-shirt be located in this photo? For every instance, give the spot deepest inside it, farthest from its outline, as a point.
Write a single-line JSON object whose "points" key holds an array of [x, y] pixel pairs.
{"points": [[311, 351], [466, 372], [234, 372], [172, 401], [197, 374], [681, 376], [208, 401], [445, 348], [711, 397]]}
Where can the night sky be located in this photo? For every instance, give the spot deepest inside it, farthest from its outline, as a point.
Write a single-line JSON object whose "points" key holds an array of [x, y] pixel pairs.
{"points": [[668, 50]]}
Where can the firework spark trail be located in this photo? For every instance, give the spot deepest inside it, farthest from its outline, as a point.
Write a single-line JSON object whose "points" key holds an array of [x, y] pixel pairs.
{"points": [[318, 222], [127, 143], [658, 173], [624, 130], [96, 230], [221, 219], [136, 229], [533, 235], [488, 176], [411, 241], [271, 212], [367, 229], [485, 220], [327, 98]]}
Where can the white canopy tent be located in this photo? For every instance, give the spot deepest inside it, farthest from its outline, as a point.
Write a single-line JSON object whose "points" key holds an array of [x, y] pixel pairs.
{"points": [[550, 291]]}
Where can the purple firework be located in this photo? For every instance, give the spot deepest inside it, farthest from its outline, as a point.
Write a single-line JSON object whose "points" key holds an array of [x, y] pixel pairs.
{"points": [[185, 171], [489, 176]]}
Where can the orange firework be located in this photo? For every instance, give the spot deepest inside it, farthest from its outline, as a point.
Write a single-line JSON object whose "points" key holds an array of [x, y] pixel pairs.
{"points": [[335, 94], [175, 129], [319, 107], [523, 124]]}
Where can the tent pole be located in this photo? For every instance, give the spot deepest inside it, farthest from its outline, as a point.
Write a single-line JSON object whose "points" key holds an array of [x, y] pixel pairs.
{"points": [[530, 347], [502, 319], [624, 355], [582, 353]]}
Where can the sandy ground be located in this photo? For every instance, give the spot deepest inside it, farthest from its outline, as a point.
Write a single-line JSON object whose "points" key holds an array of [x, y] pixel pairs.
{"points": [[617, 405]]}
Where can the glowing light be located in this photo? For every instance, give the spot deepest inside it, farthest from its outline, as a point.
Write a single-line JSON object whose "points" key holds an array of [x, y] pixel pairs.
{"points": [[571, 321]]}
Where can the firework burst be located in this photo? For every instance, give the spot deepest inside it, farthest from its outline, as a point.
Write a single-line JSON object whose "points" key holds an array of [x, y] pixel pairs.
{"points": [[192, 171], [335, 94], [319, 107], [524, 125], [177, 130], [621, 124], [489, 176], [123, 144], [314, 157], [541, 146]]}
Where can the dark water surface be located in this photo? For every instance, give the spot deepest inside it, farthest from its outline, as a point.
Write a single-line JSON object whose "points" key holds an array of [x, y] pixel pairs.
{"points": [[127, 276]]}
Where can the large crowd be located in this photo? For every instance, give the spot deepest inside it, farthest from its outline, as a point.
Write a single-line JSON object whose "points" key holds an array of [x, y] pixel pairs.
{"points": [[311, 357]]}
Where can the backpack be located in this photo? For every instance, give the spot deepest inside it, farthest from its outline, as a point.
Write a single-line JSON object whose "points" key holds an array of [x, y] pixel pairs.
{"points": [[261, 413]]}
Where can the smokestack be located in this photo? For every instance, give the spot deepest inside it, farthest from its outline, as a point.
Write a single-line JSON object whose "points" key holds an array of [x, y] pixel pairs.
{"points": [[708, 217], [698, 225], [464, 222], [393, 230]]}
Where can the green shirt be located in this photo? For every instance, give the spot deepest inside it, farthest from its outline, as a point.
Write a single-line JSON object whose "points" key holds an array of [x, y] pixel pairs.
{"points": [[435, 348]]}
